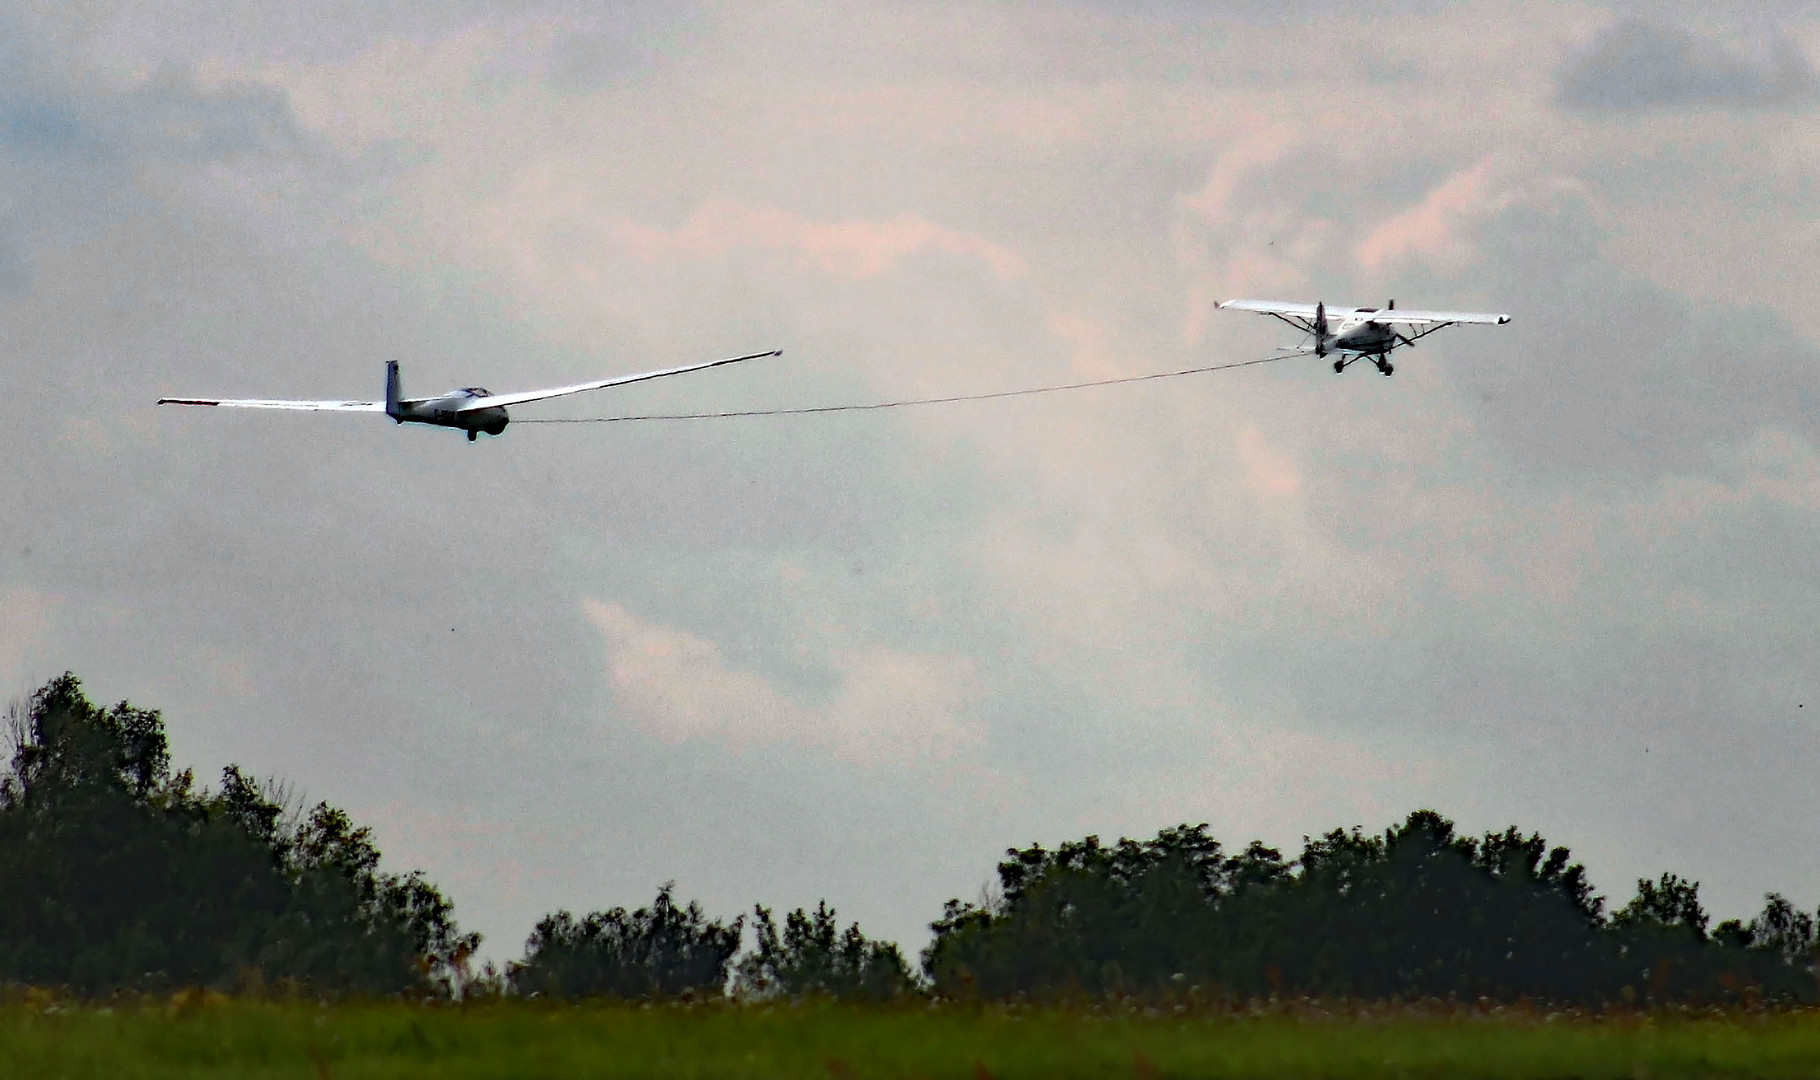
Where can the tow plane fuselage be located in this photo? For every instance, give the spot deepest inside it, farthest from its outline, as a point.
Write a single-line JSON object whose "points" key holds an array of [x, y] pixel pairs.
{"points": [[1362, 336]]}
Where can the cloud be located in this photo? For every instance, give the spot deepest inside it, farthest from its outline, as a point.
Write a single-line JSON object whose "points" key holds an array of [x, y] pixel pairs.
{"points": [[1606, 374], [168, 115], [615, 42], [1268, 473], [1433, 229], [854, 249], [1439, 229], [1636, 64], [1218, 199], [172, 115], [1243, 237], [72, 149], [1273, 782], [888, 706], [25, 617]]}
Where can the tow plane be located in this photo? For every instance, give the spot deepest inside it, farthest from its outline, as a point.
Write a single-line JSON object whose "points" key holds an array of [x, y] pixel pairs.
{"points": [[1353, 334], [472, 409]]}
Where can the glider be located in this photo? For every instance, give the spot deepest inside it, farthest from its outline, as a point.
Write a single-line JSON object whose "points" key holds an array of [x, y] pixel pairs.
{"points": [[473, 409], [1354, 334]]}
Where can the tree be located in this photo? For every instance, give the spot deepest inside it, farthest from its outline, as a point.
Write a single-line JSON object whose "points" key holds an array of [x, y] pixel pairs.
{"points": [[663, 951], [1784, 931], [1094, 920], [116, 874], [1668, 905], [813, 957]]}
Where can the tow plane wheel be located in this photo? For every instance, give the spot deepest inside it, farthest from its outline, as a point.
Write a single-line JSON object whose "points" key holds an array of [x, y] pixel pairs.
{"points": [[1386, 367], [1339, 366]]}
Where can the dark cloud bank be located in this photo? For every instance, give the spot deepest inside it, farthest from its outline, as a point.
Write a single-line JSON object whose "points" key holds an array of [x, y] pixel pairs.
{"points": [[1639, 65]]}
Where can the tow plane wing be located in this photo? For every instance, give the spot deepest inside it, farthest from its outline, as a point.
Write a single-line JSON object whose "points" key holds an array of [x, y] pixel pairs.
{"points": [[1403, 316]]}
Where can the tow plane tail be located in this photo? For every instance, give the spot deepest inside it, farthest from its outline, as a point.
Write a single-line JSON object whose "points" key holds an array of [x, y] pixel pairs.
{"points": [[392, 393]]}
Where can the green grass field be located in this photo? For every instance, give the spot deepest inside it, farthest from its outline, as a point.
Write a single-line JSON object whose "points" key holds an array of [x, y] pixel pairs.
{"points": [[189, 1037]]}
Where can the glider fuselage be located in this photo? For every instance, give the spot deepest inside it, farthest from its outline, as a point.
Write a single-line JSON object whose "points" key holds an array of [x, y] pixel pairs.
{"points": [[447, 411], [454, 409]]}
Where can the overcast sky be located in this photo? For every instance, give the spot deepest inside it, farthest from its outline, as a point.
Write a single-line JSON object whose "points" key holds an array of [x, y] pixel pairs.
{"points": [[1560, 574]]}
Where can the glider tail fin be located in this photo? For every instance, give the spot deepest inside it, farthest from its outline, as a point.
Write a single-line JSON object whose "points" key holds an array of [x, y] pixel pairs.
{"points": [[392, 395], [1320, 328]]}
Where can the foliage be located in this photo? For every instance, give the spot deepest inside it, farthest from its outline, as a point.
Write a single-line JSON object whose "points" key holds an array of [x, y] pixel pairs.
{"points": [[116, 874], [663, 951], [813, 957], [1415, 912], [1783, 932]]}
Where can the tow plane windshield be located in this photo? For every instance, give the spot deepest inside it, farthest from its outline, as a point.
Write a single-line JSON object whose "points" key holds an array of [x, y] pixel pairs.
{"points": [[1354, 334], [472, 408]]}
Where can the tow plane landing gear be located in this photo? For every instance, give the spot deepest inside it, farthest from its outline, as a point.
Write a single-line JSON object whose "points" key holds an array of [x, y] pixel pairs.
{"points": [[1383, 363]]}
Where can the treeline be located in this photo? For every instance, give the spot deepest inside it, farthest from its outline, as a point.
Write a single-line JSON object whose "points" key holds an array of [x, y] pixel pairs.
{"points": [[119, 875], [1417, 912]]}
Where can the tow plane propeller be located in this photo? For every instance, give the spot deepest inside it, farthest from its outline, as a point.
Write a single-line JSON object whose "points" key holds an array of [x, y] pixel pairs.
{"points": [[472, 409], [1354, 334]]}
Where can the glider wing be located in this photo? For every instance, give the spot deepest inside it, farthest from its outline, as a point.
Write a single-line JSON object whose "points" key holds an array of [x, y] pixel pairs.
{"points": [[495, 401], [307, 406]]}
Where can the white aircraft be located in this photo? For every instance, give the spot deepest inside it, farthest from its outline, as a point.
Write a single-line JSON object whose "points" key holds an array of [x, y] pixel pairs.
{"points": [[1354, 334], [473, 409]]}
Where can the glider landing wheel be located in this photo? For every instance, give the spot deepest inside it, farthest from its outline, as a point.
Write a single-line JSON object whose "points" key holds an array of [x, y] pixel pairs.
{"points": [[472, 435]]}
